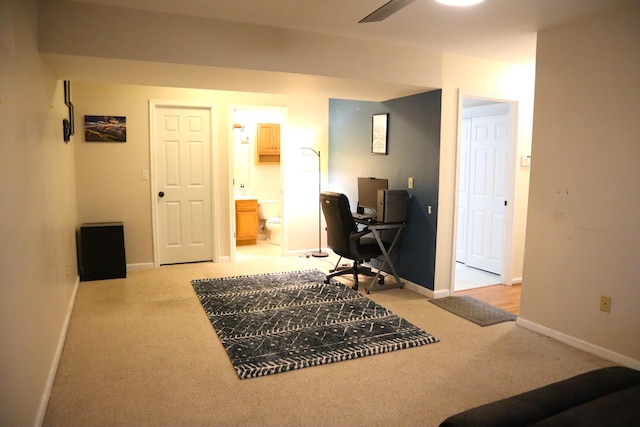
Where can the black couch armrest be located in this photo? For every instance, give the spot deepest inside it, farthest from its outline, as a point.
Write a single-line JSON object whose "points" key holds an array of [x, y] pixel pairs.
{"points": [[536, 405], [617, 409]]}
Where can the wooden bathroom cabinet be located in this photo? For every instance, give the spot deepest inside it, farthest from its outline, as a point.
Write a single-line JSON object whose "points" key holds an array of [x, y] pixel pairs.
{"points": [[268, 143], [246, 221]]}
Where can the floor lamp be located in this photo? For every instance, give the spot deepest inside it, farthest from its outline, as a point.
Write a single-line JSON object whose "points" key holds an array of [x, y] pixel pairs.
{"points": [[319, 253]]}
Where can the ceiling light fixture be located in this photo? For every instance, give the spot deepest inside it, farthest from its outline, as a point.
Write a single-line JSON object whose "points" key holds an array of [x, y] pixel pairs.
{"points": [[461, 3]]}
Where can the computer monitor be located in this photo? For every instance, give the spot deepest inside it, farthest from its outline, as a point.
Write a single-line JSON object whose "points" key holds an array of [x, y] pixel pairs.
{"points": [[368, 191]]}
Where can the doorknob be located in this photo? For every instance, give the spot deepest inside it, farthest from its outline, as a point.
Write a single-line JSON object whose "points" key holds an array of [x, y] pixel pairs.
{"points": [[161, 194]]}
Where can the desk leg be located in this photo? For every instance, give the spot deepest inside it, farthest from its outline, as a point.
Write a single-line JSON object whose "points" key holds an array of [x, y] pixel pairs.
{"points": [[387, 261]]}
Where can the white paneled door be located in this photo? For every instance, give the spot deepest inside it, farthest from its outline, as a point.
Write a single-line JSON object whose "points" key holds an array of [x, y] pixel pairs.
{"points": [[485, 220], [183, 184]]}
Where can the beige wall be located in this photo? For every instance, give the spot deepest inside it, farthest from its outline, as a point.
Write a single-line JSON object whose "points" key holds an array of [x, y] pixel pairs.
{"points": [[37, 219], [491, 79], [583, 234], [348, 72], [110, 186], [214, 47]]}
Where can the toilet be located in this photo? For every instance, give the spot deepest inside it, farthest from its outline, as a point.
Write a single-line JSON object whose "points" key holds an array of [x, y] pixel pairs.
{"points": [[269, 214]]}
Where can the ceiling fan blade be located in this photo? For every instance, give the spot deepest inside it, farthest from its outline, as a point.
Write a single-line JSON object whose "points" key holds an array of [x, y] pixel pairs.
{"points": [[386, 10]]}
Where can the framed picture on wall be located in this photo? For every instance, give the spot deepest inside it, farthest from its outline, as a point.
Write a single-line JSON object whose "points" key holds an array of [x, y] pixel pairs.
{"points": [[379, 133], [105, 129]]}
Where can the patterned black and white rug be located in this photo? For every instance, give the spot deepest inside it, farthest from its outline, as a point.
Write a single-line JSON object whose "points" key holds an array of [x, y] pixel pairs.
{"points": [[277, 322]]}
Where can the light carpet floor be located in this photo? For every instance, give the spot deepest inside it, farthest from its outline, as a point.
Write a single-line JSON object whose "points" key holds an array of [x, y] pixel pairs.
{"points": [[140, 351]]}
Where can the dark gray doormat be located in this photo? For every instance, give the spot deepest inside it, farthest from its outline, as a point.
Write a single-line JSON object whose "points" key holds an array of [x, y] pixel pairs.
{"points": [[473, 310]]}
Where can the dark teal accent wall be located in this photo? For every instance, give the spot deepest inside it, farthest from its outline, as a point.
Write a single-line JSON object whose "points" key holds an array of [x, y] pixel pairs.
{"points": [[413, 151]]}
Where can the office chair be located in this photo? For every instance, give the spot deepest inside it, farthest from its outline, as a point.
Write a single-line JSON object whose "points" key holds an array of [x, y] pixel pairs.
{"points": [[344, 238]]}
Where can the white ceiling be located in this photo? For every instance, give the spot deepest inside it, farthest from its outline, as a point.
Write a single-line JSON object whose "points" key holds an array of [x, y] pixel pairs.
{"points": [[503, 30]]}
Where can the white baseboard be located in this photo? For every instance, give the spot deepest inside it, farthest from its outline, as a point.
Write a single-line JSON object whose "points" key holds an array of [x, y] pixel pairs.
{"points": [[56, 358], [151, 265], [297, 253], [141, 266], [306, 252], [580, 344], [426, 291], [419, 289], [442, 293]]}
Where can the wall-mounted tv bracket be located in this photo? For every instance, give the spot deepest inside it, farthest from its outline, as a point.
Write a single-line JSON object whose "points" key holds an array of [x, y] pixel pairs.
{"points": [[68, 127]]}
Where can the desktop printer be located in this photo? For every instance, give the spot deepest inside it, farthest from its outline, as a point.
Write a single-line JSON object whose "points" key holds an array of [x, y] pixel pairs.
{"points": [[392, 205]]}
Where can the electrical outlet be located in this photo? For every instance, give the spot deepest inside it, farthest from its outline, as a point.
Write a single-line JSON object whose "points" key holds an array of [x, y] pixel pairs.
{"points": [[605, 304], [410, 183]]}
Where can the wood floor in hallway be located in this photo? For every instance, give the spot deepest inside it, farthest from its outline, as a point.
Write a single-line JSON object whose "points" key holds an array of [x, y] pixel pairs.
{"points": [[501, 296]]}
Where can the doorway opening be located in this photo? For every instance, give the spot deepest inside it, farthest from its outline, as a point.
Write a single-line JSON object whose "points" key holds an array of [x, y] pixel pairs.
{"points": [[257, 178], [485, 173]]}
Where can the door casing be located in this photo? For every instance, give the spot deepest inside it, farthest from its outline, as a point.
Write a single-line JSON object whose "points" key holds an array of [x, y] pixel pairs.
{"points": [[257, 109], [506, 276], [480, 253]]}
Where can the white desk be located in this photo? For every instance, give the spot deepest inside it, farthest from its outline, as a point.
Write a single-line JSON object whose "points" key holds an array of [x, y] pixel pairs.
{"points": [[376, 229]]}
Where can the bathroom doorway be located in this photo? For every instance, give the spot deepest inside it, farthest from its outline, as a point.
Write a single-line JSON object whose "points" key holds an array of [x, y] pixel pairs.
{"points": [[257, 178]]}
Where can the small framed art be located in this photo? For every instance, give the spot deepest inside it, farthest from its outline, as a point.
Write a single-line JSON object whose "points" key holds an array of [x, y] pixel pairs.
{"points": [[379, 133], [105, 129]]}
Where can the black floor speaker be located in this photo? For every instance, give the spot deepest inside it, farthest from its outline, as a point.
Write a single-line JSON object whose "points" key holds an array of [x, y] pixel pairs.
{"points": [[101, 251]]}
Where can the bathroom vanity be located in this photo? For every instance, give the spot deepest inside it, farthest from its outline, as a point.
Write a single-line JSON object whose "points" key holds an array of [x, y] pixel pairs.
{"points": [[246, 221]]}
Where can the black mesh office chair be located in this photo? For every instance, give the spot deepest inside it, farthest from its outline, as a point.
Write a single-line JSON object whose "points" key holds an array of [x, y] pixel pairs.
{"points": [[344, 238]]}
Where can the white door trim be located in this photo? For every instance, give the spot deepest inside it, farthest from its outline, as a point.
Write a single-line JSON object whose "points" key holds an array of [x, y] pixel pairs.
{"points": [[284, 111], [506, 276], [154, 104], [232, 201]]}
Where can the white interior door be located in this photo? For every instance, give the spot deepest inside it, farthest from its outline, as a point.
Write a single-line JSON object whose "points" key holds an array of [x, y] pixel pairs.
{"points": [[487, 191], [183, 184]]}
